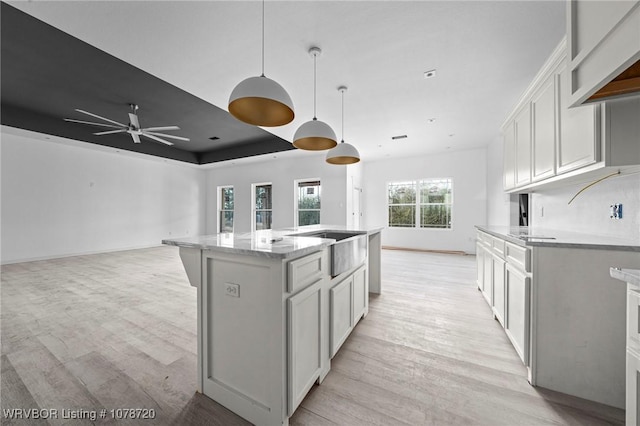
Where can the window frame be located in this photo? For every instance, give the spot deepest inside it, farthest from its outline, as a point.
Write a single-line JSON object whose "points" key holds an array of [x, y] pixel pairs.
{"points": [[419, 184], [296, 199], [220, 209], [254, 210]]}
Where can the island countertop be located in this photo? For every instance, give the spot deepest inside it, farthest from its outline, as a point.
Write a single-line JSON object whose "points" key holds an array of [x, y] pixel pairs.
{"points": [[544, 237], [272, 243]]}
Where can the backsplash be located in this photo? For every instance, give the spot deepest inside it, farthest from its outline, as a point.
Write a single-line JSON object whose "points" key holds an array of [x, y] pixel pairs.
{"points": [[590, 211]]}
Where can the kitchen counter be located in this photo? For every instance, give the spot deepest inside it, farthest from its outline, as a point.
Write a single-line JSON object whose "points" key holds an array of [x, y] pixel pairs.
{"points": [[541, 237], [271, 243], [631, 276]]}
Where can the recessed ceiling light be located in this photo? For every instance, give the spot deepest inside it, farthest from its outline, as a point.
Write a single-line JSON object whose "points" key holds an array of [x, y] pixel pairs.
{"points": [[395, 138], [431, 120], [214, 138], [379, 146], [430, 73], [452, 135]]}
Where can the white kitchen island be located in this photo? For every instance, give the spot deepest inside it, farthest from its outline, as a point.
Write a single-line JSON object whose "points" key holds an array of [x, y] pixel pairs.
{"points": [[271, 314]]}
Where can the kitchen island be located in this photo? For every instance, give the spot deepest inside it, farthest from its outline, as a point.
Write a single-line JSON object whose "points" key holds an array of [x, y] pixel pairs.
{"points": [[273, 309], [552, 292]]}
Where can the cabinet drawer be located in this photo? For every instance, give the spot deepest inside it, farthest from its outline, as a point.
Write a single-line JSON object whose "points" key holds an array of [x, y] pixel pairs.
{"points": [[518, 256], [498, 246], [484, 238], [304, 271]]}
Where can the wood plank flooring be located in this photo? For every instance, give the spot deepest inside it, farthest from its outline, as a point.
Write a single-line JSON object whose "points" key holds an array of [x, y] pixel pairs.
{"points": [[118, 330]]}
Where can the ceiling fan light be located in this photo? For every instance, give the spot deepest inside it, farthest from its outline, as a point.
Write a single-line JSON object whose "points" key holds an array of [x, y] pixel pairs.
{"points": [[261, 101], [343, 153], [314, 135]]}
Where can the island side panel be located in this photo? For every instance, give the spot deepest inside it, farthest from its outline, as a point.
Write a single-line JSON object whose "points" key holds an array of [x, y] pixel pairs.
{"points": [[243, 338], [375, 262], [578, 316], [192, 262]]}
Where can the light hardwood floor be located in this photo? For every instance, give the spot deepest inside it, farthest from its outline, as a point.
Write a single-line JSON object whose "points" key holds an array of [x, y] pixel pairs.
{"points": [[119, 330]]}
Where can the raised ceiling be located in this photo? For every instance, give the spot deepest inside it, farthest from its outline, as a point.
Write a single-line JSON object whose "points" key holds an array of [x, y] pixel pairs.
{"points": [[485, 53]]}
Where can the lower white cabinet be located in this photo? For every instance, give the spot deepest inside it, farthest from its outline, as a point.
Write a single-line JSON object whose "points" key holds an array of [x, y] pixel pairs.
{"points": [[341, 307], [360, 294], [487, 290], [632, 394], [304, 313], [498, 289], [517, 286]]}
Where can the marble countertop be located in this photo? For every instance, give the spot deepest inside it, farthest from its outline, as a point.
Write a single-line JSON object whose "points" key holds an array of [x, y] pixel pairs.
{"points": [[542, 237], [272, 243], [631, 276]]}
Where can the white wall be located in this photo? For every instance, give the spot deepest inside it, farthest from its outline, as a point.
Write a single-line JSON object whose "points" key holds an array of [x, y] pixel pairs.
{"points": [[64, 198], [469, 174], [281, 172], [589, 212]]}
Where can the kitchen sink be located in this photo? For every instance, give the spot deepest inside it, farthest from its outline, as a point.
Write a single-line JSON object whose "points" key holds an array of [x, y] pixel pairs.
{"points": [[349, 250]]}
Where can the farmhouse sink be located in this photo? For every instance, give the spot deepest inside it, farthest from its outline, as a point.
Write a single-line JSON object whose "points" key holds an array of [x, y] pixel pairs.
{"points": [[349, 250]]}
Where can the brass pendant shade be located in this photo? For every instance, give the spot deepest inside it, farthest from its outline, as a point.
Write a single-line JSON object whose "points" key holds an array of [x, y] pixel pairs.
{"points": [[261, 101], [343, 153], [314, 135]]}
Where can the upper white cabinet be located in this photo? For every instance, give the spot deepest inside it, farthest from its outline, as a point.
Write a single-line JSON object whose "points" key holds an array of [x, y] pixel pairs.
{"points": [[509, 156], [547, 141], [522, 124], [544, 118], [579, 134], [603, 41]]}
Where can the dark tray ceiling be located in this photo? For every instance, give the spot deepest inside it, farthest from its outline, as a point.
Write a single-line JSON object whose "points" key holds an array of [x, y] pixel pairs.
{"points": [[47, 74]]}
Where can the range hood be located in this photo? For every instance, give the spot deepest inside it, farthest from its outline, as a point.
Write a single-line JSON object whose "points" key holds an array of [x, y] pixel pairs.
{"points": [[625, 84]]}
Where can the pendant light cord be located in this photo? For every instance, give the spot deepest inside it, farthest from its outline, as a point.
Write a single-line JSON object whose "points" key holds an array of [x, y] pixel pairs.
{"points": [[262, 38], [342, 141], [315, 55]]}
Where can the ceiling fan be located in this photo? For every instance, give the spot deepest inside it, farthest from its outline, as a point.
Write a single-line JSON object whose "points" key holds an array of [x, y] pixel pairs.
{"points": [[133, 128]]}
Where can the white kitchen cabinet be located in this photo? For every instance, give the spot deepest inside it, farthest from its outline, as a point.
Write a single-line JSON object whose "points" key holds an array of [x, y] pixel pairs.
{"points": [[579, 136], [487, 291], [522, 126], [304, 341], [499, 302], [341, 308], [544, 118], [603, 41], [632, 395], [480, 266], [360, 294], [509, 138], [517, 288]]}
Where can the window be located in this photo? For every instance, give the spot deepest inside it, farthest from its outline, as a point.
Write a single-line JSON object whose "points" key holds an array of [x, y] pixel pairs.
{"points": [[425, 204], [225, 209], [308, 202], [262, 208]]}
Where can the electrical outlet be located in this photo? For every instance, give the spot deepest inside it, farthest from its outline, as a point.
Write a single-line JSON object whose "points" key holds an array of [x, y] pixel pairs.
{"points": [[616, 211], [232, 290]]}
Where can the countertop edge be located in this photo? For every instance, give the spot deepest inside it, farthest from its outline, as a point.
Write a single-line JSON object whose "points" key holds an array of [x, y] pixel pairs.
{"points": [[269, 255], [631, 276], [558, 244]]}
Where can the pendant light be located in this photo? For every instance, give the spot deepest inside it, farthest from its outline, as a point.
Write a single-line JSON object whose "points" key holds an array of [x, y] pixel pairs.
{"points": [[314, 135], [261, 101], [343, 153]]}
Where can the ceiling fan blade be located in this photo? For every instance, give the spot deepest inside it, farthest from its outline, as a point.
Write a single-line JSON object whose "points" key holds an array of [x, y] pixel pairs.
{"points": [[136, 137], [180, 138], [155, 138], [133, 119], [160, 129], [109, 132], [93, 124], [101, 118]]}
